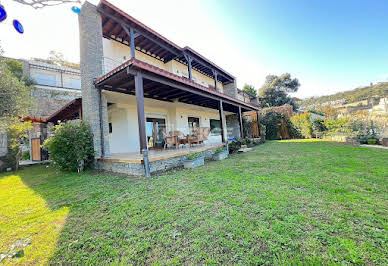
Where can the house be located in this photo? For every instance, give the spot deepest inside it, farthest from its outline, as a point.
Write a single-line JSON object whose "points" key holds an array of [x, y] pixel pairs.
{"points": [[54, 87], [246, 96], [138, 87]]}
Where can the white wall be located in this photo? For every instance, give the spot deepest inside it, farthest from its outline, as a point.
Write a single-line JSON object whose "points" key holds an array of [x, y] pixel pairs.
{"points": [[123, 116]]}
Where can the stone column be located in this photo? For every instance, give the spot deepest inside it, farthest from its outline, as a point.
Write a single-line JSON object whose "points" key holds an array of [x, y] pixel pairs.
{"points": [[91, 56], [231, 89]]}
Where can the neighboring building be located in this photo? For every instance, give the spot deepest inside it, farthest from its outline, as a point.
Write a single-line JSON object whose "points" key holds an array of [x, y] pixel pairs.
{"points": [[54, 87], [381, 107], [137, 85]]}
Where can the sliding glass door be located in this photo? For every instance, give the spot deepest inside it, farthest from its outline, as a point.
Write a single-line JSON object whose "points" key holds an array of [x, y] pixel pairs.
{"points": [[154, 130]]}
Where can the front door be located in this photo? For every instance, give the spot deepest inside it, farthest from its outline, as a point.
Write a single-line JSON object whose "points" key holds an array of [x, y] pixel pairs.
{"points": [[35, 147], [154, 130]]}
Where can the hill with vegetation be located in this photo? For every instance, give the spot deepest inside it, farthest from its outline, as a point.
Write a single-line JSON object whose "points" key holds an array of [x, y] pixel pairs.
{"points": [[378, 90]]}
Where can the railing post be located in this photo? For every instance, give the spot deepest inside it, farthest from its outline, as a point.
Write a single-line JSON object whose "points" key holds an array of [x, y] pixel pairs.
{"points": [[146, 163]]}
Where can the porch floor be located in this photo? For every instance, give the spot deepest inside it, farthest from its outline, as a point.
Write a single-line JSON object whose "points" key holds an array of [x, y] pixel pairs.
{"points": [[159, 154]]}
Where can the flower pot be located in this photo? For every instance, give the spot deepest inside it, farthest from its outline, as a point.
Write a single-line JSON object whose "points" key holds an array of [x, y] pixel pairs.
{"points": [[220, 155], [194, 162]]}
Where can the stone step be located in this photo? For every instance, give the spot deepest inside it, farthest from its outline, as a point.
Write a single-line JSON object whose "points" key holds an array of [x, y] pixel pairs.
{"points": [[244, 149]]}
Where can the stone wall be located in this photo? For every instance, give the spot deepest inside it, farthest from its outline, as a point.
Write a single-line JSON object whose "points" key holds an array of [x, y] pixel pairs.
{"points": [[231, 89], [46, 101], [233, 126], [155, 167]]}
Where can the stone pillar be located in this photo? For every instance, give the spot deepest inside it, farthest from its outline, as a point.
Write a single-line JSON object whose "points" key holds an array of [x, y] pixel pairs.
{"points": [[231, 89], [232, 125], [91, 56]]}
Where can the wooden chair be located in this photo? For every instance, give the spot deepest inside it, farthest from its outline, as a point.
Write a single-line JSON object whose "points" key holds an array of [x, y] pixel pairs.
{"points": [[182, 139], [199, 136], [170, 140]]}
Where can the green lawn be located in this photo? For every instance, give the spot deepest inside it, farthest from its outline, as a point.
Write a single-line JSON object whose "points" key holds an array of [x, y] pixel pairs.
{"points": [[283, 203]]}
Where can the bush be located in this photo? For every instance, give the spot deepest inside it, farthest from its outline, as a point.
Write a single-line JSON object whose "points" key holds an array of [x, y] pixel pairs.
{"points": [[302, 124], [338, 126], [193, 156], [234, 146], [372, 141], [272, 123], [71, 147], [219, 150], [319, 128], [26, 155], [16, 133]]}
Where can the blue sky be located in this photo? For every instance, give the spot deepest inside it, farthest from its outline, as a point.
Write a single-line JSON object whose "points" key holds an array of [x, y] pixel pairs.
{"points": [[338, 43], [329, 46]]}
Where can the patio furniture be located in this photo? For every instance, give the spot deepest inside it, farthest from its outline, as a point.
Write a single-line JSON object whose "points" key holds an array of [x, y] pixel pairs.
{"points": [[199, 136], [182, 139], [170, 140]]}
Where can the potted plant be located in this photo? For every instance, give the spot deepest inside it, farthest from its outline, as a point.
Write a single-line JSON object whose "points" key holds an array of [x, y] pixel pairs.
{"points": [[220, 154], [194, 160]]}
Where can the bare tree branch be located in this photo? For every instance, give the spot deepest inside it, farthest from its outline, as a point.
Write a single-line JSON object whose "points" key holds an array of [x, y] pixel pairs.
{"points": [[44, 3]]}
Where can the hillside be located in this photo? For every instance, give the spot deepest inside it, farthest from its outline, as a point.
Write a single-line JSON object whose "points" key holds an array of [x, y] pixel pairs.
{"points": [[378, 90]]}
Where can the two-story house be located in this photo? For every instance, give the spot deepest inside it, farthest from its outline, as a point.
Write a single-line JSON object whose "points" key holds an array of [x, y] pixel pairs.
{"points": [[138, 88]]}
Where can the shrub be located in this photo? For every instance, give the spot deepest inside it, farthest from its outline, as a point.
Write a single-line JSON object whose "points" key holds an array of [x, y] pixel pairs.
{"points": [[193, 156], [15, 135], [26, 155], [319, 128], [272, 123], [234, 146], [372, 141], [219, 150], [302, 124], [338, 126], [71, 147]]}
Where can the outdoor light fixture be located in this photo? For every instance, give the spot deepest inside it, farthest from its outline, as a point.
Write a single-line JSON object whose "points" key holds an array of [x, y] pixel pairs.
{"points": [[3, 13], [18, 26]]}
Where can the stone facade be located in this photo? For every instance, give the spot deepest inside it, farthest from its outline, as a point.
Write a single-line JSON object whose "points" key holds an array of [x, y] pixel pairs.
{"points": [[155, 167], [231, 89], [91, 56], [233, 126]]}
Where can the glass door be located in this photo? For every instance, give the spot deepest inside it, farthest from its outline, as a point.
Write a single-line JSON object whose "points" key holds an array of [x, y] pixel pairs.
{"points": [[154, 130]]}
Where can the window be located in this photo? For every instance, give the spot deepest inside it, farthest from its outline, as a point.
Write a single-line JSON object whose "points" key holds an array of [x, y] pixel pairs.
{"points": [[110, 127], [193, 123], [45, 79], [215, 126], [72, 83]]}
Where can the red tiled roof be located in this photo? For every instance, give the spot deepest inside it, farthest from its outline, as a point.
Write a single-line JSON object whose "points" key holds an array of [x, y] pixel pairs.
{"points": [[148, 67], [135, 21], [33, 118]]}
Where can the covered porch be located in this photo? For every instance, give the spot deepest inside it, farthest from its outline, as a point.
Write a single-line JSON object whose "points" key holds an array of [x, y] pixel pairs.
{"points": [[142, 90]]}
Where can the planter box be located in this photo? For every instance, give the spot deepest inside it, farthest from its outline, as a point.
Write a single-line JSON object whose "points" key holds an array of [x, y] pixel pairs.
{"points": [[194, 163], [220, 156]]}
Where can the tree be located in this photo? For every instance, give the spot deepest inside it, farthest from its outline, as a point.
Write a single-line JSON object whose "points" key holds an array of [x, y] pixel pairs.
{"points": [[16, 133], [57, 58], [250, 89], [15, 97], [43, 3], [275, 90]]}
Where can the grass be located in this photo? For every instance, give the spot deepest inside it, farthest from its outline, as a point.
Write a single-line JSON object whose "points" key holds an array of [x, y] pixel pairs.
{"points": [[286, 202]]}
